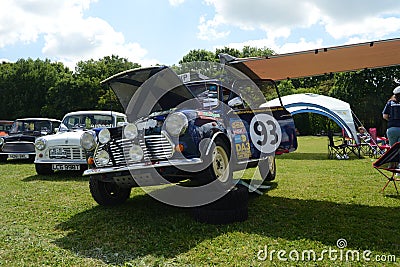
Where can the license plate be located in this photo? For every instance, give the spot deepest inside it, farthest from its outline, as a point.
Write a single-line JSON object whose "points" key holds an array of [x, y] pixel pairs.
{"points": [[18, 156], [66, 167]]}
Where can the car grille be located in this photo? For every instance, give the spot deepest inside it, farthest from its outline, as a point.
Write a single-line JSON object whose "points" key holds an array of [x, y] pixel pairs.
{"points": [[66, 152], [19, 147], [155, 148]]}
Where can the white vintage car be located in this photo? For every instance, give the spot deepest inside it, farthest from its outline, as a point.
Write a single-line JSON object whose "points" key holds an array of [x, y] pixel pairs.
{"points": [[62, 151]]}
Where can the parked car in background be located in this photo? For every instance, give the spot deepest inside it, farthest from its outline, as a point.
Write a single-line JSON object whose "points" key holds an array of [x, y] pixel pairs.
{"points": [[19, 143], [5, 127], [62, 151]]}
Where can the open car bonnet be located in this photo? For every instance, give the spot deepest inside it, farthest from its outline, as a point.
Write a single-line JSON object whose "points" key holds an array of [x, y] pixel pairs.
{"points": [[145, 90]]}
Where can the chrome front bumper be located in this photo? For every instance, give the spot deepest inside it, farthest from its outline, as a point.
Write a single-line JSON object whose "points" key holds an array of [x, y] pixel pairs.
{"points": [[49, 161], [144, 166]]}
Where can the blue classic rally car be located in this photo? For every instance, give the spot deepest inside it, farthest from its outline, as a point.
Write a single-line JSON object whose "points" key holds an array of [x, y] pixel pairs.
{"points": [[201, 130]]}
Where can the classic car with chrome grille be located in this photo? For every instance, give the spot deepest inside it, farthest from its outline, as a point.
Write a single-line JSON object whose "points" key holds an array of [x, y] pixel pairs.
{"points": [[200, 130], [62, 151], [19, 143]]}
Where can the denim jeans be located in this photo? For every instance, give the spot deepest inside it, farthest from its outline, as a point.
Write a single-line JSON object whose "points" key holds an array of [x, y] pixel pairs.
{"points": [[393, 134]]}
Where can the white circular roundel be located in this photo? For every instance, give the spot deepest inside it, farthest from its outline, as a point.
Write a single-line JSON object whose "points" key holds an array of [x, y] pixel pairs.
{"points": [[265, 133]]}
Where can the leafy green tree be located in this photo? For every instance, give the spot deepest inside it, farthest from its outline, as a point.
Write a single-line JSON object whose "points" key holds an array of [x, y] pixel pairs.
{"points": [[24, 86], [248, 51], [227, 50], [82, 90], [286, 87], [198, 55], [367, 92]]}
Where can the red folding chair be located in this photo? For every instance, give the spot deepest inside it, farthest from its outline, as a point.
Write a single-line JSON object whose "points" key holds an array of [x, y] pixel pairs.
{"points": [[388, 165], [377, 149]]}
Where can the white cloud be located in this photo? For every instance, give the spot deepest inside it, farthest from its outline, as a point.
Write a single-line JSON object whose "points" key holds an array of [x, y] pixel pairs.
{"points": [[69, 36], [4, 60], [370, 28], [176, 2], [208, 28], [363, 19]]}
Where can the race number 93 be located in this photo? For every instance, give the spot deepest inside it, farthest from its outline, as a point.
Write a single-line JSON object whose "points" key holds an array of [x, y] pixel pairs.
{"points": [[265, 133]]}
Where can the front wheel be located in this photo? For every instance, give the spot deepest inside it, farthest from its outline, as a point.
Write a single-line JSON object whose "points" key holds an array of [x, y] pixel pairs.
{"points": [[43, 169], [3, 158], [108, 193], [219, 168]]}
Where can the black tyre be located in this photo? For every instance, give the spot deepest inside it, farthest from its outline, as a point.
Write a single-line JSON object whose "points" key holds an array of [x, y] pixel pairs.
{"points": [[108, 193], [31, 158], [220, 216], [220, 167], [236, 198], [233, 207], [267, 168], [43, 169], [3, 158]]}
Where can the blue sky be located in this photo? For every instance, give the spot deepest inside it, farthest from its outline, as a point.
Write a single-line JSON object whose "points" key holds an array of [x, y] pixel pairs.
{"points": [[163, 31]]}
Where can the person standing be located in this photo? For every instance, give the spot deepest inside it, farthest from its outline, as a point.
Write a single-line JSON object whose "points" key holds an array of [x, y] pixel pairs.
{"points": [[391, 113]]}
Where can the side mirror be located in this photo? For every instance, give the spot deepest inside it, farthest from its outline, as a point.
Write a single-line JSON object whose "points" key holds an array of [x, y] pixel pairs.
{"points": [[235, 102], [62, 128], [121, 123]]}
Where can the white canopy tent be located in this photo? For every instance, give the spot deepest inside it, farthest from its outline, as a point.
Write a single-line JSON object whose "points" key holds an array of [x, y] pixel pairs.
{"points": [[335, 109]]}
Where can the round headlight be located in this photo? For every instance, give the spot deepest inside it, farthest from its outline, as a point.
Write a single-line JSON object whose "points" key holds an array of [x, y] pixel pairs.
{"points": [[130, 131], [88, 141], [176, 123], [136, 153], [1, 142], [40, 143], [102, 158], [104, 136]]}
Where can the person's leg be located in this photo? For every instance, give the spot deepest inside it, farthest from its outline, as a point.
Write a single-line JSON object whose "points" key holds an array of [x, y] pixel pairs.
{"points": [[393, 134]]}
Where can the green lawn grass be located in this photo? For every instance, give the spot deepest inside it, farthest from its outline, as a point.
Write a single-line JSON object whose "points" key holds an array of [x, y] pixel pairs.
{"points": [[314, 201]]}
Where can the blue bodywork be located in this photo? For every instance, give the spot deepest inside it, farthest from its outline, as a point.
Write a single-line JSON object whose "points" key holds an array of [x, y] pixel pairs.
{"points": [[214, 112]]}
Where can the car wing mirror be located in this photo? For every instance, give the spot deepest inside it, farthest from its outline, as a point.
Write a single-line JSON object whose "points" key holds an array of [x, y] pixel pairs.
{"points": [[121, 123], [235, 102]]}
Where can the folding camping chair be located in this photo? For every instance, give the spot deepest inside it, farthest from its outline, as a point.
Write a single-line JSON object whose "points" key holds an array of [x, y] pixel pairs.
{"points": [[334, 150], [352, 146], [376, 149], [389, 163]]}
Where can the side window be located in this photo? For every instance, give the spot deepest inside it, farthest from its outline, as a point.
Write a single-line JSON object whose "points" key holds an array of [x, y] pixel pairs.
{"points": [[226, 95], [55, 126], [120, 119]]}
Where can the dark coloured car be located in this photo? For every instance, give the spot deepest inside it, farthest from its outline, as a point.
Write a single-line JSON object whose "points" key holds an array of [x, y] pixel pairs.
{"points": [[5, 127], [19, 143], [201, 130]]}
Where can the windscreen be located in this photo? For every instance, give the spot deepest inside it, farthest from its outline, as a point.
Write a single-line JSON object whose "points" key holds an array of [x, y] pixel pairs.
{"points": [[88, 121], [27, 126]]}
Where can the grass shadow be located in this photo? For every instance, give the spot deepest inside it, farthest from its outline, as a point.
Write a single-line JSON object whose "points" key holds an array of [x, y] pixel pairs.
{"points": [[305, 156], [313, 156], [393, 196], [145, 227], [58, 176], [17, 162]]}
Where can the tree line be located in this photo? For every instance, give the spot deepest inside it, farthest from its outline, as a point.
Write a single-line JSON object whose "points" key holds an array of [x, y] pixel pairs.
{"points": [[41, 88]]}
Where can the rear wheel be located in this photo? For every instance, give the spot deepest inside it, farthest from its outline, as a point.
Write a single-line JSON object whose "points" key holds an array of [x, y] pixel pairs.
{"points": [[108, 193], [43, 169], [267, 168]]}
